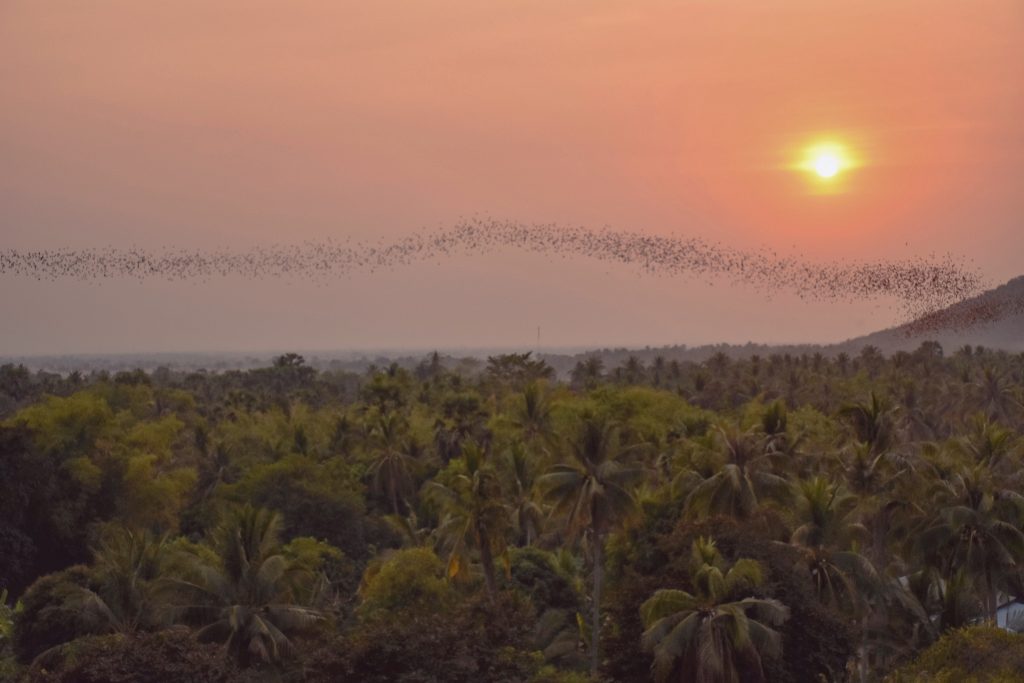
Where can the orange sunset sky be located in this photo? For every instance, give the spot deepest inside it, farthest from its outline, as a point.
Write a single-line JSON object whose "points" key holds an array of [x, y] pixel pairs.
{"points": [[200, 123]]}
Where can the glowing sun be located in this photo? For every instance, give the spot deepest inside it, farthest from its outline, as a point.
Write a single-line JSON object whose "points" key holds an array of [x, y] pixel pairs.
{"points": [[826, 165], [826, 160]]}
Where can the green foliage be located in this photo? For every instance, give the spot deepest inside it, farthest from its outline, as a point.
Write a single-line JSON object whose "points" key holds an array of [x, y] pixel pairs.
{"points": [[406, 581], [742, 482], [475, 516], [475, 639], [71, 427], [318, 499], [593, 489], [550, 674], [593, 492], [713, 634], [145, 658], [979, 654], [516, 370], [46, 618], [122, 596], [248, 600], [79, 464], [877, 500], [536, 573], [816, 641], [154, 497], [557, 602]]}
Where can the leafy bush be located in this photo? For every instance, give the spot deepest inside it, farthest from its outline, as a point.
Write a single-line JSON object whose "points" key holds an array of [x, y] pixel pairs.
{"points": [[978, 654], [475, 640], [44, 620], [147, 658], [407, 581]]}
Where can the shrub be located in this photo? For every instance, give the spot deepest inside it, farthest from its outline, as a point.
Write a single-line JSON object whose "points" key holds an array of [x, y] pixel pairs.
{"points": [[978, 654], [172, 655]]}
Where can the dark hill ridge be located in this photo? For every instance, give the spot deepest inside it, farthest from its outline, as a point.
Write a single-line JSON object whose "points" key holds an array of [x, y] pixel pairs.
{"points": [[993, 319]]}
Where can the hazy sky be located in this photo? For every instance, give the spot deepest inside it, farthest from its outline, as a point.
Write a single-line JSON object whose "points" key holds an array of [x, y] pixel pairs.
{"points": [[200, 123]]}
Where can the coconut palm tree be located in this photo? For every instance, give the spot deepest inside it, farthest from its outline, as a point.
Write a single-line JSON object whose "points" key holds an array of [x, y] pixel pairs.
{"points": [[975, 525], [408, 527], [989, 443], [391, 464], [592, 492], [475, 515], [713, 635], [998, 395], [873, 422], [528, 516], [588, 373], [936, 603], [887, 487], [746, 477], [633, 371], [825, 537], [127, 566], [658, 371], [533, 417], [247, 595]]}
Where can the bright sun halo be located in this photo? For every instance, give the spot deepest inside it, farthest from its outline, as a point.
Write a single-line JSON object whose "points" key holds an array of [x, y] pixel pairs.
{"points": [[826, 160], [826, 165]]}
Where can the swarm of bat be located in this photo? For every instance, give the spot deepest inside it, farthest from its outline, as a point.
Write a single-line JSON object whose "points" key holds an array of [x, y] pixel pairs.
{"points": [[923, 286]]}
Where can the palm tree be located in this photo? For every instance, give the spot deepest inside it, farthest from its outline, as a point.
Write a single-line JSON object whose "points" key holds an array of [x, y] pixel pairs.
{"points": [[775, 419], [475, 515], [843, 362], [886, 485], [871, 357], [247, 597], [409, 528], [936, 604], [825, 537], [999, 396], [975, 526], [745, 477], [588, 372], [214, 470], [779, 442], [991, 444], [126, 570], [712, 635], [872, 422], [526, 512], [592, 492], [658, 371], [391, 463], [633, 371], [533, 416]]}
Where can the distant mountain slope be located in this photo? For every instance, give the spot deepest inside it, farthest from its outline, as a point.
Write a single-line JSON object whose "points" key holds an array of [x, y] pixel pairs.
{"points": [[994, 319]]}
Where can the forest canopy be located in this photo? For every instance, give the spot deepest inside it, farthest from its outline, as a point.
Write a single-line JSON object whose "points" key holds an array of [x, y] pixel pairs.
{"points": [[778, 518]]}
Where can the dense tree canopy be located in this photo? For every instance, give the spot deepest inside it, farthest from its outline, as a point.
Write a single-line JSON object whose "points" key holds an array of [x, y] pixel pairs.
{"points": [[785, 518]]}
